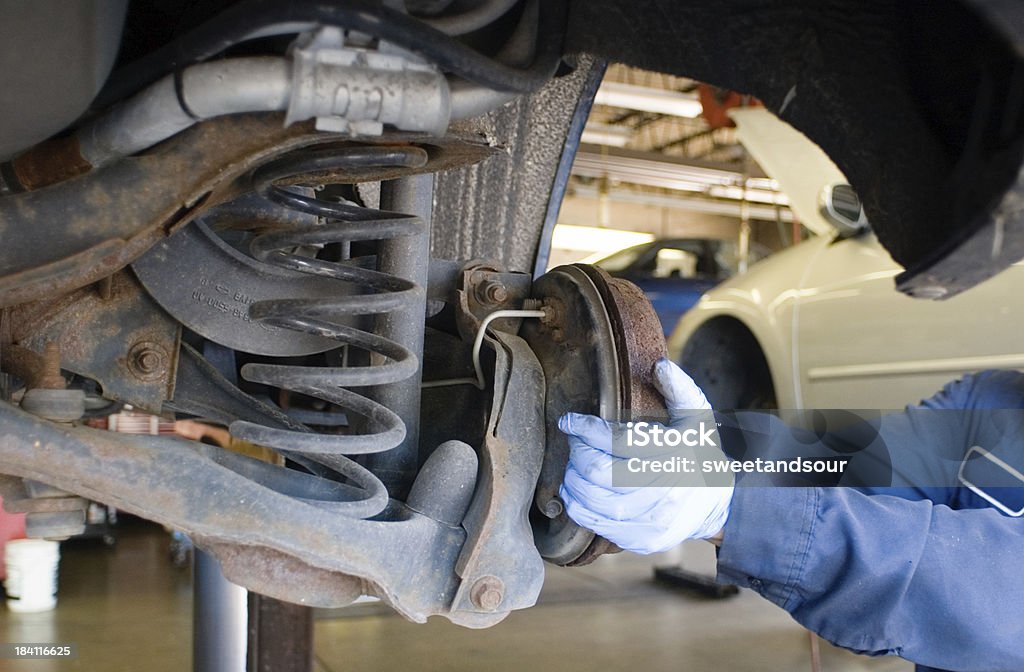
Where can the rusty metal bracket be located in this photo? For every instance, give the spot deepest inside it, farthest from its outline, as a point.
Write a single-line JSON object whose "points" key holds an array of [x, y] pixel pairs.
{"points": [[120, 338], [482, 288], [500, 567]]}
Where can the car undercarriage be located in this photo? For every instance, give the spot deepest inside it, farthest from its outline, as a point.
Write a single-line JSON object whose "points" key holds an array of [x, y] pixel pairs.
{"points": [[324, 225]]}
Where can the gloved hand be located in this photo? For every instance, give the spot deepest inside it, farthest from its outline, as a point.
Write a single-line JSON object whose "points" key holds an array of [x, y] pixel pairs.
{"points": [[645, 519]]}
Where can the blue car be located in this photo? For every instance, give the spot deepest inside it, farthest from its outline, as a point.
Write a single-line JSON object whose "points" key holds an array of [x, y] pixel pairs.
{"points": [[673, 273]]}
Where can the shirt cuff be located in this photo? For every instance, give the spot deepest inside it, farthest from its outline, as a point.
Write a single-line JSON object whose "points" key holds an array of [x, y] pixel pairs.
{"points": [[767, 540]]}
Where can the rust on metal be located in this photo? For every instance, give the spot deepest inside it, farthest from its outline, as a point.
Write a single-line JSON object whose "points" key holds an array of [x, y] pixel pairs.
{"points": [[283, 577], [54, 504], [51, 378], [491, 293], [50, 162], [639, 342], [598, 342], [105, 287], [126, 343], [500, 566], [78, 231], [226, 500], [21, 363], [481, 289]]}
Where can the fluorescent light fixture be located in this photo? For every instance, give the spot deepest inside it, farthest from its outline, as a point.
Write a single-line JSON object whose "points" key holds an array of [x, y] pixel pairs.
{"points": [[606, 134], [756, 195], [595, 239], [647, 99], [667, 174], [682, 202], [652, 172]]}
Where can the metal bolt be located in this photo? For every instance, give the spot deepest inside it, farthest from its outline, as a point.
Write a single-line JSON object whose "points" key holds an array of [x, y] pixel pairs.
{"points": [[487, 593], [532, 304], [50, 377], [48, 397], [491, 292], [105, 288], [148, 360], [553, 508]]}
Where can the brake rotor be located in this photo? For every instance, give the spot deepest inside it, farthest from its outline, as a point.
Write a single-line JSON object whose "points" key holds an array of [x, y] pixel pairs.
{"points": [[597, 347]]}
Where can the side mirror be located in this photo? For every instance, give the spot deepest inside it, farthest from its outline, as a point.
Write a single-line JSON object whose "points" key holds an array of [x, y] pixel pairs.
{"points": [[841, 206]]}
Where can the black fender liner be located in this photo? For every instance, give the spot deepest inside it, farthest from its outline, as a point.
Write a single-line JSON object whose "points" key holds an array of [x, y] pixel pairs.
{"points": [[919, 102]]}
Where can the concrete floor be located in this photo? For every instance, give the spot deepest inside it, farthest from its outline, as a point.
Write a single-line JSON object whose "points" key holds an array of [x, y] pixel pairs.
{"points": [[128, 609]]}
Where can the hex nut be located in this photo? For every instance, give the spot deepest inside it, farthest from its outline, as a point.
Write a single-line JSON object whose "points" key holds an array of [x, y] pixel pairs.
{"points": [[487, 593], [148, 360], [554, 310], [491, 293]]}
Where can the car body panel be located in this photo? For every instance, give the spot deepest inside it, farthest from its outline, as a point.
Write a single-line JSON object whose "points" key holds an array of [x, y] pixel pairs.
{"points": [[863, 344], [836, 334]]}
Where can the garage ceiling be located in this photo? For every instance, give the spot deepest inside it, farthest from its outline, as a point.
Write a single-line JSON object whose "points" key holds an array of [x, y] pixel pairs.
{"points": [[647, 140]]}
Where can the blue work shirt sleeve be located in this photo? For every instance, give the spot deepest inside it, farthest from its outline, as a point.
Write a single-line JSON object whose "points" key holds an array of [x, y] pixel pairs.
{"points": [[880, 574]]}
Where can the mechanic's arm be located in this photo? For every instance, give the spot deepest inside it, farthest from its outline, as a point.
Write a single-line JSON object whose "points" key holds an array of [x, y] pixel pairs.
{"points": [[884, 575], [879, 574], [875, 574]]}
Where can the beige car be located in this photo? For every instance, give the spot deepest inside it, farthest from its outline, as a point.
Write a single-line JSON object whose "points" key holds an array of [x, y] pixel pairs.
{"points": [[821, 326]]}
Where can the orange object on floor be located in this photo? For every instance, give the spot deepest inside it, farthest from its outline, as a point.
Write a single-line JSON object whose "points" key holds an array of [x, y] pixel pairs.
{"points": [[12, 526]]}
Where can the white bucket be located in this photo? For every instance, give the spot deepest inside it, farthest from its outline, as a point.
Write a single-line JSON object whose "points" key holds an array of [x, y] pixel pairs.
{"points": [[31, 581]]}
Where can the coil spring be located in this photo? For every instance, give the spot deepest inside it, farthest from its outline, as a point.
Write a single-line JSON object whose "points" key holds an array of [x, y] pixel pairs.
{"points": [[345, 223]]}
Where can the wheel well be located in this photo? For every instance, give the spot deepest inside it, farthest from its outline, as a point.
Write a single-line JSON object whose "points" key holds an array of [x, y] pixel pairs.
{"points": [[726, 360]]}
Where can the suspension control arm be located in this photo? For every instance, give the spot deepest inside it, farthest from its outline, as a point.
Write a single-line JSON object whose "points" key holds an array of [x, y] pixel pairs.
{"points": [[274, 530]]}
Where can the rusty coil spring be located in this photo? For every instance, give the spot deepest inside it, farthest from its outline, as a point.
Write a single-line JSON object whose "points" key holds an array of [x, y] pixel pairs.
{"points": [[381, 293]]}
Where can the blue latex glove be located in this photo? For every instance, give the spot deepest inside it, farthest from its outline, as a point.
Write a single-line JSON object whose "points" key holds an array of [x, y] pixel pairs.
{"points": [[639, 519]]}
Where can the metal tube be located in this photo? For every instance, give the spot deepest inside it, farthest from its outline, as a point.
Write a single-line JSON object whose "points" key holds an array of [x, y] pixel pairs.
{"points": [[469, 100], [151, 116], [233, 86], [220, 618], [204, 91], [407, 257]]}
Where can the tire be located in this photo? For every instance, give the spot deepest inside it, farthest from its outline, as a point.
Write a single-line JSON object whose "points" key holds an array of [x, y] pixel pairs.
{"points": [[726, 362]]}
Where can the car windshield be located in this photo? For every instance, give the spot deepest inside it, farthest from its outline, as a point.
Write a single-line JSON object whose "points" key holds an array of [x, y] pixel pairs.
{"points": [[623, 259], [688, 258], [727, 259]]}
